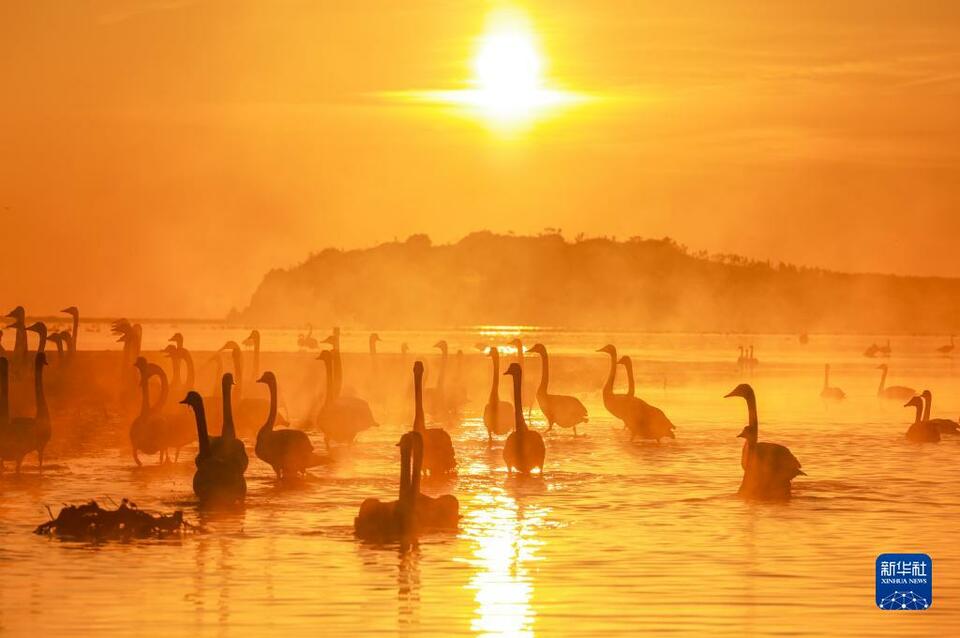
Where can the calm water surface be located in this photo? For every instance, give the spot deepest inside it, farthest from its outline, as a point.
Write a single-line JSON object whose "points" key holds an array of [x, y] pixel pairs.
{"points": [[615, 539]]}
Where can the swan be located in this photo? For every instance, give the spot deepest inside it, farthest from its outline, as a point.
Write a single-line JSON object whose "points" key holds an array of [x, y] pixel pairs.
{"points": [[57, 339], [71, 343], [871, 350], [921, 431], [217, 481], [308, 341], [148, 432], [945, 426], [250, 412], [642, 419], [768, 468], [341, 418], [948, 348], [19, 324], [438, 454], [41, 329], [894, 392], [654, 423], [528, 389], [559, 409], [180, 422], [393, 520], [288, 452], [436, 397], [227, 447], [28, 434], [497, 414], [524, 449], [834, 394]]}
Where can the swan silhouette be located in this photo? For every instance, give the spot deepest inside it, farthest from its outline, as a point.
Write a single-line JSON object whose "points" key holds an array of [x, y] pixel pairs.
{"points": [[308, 341], [558, 409], [228, 447], [524, 450], [828, 392], [768, 468], [288, 452], [28, 434], [438, 453], [71, 342], [948, 348], [944, 426], [894, 392], [394, 520], [149, 430], [497, 414], [921, 431], [341, 419], [217, 480], [642, 419], [19, 324]]}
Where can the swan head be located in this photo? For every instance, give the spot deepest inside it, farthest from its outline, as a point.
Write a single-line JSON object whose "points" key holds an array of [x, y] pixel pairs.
{"points": [[926, 394], [253, 339], [177, 339], [374, 337], [610, 349], [514, 370], [324, 356], [140, 364], [493, 352], [267, 378], [882, 366], [914, 402], [170, 351], [39, 327], [404, 348], [749, 432], [624, 360], [230, 345], [17, 313], [192, 399], [73, 311], [538, 348], [418, 368], [744, 391], [442, 345], [227, 380]]}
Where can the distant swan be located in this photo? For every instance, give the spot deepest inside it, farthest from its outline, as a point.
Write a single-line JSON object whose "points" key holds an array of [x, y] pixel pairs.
{"points": [[217, 481], [438, 454], [524, 450], [19, 324], [341, 418], [768, 468], [22, 435], [642, 419], [945, 426], [894, 392], [558, 409], [71, 343], [436, 397], [497, 414], [308, 341], [288, 452], [828, 392], [948, 348], [921, 431], [148, 432]]}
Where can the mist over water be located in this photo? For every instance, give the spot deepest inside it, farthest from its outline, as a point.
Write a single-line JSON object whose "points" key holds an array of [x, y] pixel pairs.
{"points": [[615, 539]]}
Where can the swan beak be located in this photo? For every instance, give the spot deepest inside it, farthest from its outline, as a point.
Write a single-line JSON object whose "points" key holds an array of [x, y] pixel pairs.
{"points": [[730, 394], [262, 379]]}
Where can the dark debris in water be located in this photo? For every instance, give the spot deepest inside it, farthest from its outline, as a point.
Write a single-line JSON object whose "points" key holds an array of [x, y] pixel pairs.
{"points": [[91, 522]]}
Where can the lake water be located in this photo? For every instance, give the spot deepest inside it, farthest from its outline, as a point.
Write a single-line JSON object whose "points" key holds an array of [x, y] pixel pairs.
{"points": [[615, 539]]}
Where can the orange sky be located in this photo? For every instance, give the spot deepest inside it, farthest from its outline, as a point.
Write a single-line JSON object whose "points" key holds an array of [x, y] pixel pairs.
{"points": [[158, 156]]}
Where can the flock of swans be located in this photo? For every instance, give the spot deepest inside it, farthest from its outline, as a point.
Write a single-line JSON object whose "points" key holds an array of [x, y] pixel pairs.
{"points": [[160, 426]]}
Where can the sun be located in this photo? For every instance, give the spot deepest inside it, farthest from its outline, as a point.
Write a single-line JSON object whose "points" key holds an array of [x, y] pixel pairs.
{"points": [[508, 86]]}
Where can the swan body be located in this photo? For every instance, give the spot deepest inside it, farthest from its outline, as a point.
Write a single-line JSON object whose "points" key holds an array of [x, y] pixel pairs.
{"points": [[642, 419], [948, 348], [149, 431], [944, 426], [558, 409], [768, 468], [497, 414], [892, 392], [524, 450], [20, 436], [218, 479], [341, 419], [288, 452], [438, 453], [829, 392], [921, 431]]}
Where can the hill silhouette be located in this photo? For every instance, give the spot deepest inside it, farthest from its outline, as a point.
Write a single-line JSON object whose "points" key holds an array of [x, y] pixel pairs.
{"points": [[591, 283]]}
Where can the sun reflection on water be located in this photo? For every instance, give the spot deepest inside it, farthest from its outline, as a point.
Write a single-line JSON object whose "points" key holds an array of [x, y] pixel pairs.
{"points": [[505, 537]]}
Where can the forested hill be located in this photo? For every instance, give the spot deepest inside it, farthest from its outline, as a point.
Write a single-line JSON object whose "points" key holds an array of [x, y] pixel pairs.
{"points": [[639, 284]]}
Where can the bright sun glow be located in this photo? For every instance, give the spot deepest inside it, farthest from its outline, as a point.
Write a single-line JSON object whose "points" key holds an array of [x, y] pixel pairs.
{"points": [[508, 85]]}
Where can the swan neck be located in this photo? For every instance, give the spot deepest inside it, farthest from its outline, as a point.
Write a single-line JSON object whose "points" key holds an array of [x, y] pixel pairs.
{"points": [[495, 385], [229, 432], [272, 414], [418, 420], [331, 383], [404, 472], [4, 392], [544, 373], [628, 364], [883, 380], [927, 404], [203, 437], [521, 425], [43, 412], [752, 412], [72, 344], [611, 375]]}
